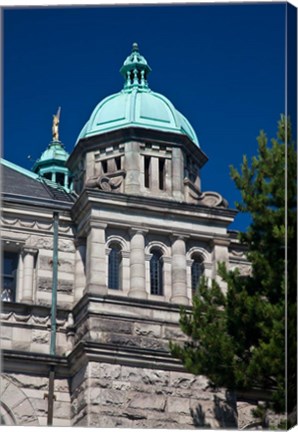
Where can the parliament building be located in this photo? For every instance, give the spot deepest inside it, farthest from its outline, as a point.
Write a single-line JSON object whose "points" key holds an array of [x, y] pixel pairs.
{"points": [[100, 249]]}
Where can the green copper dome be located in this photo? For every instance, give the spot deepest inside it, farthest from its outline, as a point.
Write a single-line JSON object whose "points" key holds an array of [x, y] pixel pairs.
{"points": [[136, 105], [54, 153]]}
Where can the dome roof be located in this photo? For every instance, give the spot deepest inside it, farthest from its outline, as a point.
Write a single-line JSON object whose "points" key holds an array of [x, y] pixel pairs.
{"points": [[136, 105], [55, 151], [54, 154]]}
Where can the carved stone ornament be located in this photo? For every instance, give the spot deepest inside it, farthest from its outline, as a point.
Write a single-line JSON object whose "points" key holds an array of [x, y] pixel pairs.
{"points": [[212, 199], [107, 182]]}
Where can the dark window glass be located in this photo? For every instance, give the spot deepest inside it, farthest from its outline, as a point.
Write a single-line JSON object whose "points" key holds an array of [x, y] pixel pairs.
{"points": [[118, 163], [104, 165], [156, 276], [60, 178], [147, 171], [115, 267], [48, 176], [196, 273], [10, 265], [161, 163]]}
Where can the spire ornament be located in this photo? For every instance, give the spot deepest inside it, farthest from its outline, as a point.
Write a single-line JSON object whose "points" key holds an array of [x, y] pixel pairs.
{"points": [[55, 126], [135, 70]]}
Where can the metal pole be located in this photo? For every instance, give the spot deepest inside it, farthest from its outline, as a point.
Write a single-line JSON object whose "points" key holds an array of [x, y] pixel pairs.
{"points": [[55, 284], [51, 396]]}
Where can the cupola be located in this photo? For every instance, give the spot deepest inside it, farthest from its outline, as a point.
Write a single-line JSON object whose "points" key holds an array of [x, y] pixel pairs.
{"points": [[136, 105], [137, 143], [51, 164]]}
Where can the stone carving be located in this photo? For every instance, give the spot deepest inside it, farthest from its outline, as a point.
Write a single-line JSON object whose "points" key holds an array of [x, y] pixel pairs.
{"points": [[237, 253], [212, 199], [47, 243], [244, 270], [9, 221], [29, 319], [33, 224], [209, 199], [107, 182]]}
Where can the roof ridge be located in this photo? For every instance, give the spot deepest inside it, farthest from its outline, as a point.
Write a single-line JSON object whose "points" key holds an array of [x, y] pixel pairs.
{"points": [[19, 169]]}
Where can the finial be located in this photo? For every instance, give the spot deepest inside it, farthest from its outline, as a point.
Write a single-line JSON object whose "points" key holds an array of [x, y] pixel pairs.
{"points": [[135, 70], [55, 126], [135, 47]]}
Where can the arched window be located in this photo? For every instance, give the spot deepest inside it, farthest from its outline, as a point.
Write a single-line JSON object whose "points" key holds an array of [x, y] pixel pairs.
{"points": [[115, 259], [156, 270], [196, 272]]}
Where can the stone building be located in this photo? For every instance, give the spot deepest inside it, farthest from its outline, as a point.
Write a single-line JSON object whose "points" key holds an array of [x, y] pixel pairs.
{"points": [[134, 233]]}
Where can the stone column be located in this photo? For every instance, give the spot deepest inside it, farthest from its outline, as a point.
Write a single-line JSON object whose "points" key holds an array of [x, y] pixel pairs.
{"points": [[220, 254], [80, 275], [28, 274], [96, 260], [132, 167], [154, 174], [168, 176], [179, 282], [177, 174], [137, 264]]}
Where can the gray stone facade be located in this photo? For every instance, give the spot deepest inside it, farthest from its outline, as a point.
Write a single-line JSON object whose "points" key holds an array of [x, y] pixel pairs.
{"points": [[139, 189]]}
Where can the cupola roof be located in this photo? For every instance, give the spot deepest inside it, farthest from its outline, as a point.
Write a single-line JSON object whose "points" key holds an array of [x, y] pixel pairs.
{"points": [[136, 105]]}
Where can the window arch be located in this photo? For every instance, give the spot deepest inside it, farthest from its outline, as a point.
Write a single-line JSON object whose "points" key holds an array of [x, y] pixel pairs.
{"points": [[156, 272], [114, 266], [197, 269]]}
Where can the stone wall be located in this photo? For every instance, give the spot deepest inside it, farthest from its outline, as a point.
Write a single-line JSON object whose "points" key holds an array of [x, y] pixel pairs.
{"points": [[24, 400], [28, 328], [107, 395]]}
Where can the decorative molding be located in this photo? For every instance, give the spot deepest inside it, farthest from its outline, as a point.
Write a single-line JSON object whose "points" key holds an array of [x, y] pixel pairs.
{"points": [[34, 224], [140, 230], [29, 319], [107, 182]]}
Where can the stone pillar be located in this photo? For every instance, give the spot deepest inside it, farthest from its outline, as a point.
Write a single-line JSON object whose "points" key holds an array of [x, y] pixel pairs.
{"points": [[179, 282], [137, 264], [89, 165], [96, 260], [168, 176], [132, 167], [154, 174], [177, 174], [28, 274], [220, 254], [125, 271], [80, 275]]}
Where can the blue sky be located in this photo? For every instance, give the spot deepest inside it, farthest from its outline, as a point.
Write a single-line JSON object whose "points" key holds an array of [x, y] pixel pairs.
{"points": [[221, 65]]}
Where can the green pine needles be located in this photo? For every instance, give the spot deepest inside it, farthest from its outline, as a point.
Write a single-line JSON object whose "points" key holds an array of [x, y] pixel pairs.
{"points": [[238, 338]]}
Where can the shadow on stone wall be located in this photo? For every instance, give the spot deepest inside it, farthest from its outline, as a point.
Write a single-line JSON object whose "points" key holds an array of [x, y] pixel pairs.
{"points": [[223, 413]]}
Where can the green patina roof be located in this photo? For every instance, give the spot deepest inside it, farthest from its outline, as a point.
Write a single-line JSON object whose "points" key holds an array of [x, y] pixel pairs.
{"points": [[54, 155], [136, 105]]}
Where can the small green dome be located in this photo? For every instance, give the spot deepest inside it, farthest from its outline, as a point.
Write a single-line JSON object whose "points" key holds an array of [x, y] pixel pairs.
{"points": [[136, 105], [54, 152], [51, 164]]}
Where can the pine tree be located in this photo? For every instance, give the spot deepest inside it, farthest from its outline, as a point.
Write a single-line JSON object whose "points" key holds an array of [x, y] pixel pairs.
{"points": [[238, 338]]}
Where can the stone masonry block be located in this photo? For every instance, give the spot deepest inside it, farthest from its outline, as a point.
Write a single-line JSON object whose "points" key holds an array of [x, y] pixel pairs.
{"points": [[154, 377], [106, 371], [113, 326], [12, 397], [40, 336], [62, 410], [178, 405], [5, 332], [157, 403], [150, 330]]}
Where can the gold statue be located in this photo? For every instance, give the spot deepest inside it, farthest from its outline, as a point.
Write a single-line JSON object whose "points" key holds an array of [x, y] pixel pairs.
{"points": [[55, 127]]}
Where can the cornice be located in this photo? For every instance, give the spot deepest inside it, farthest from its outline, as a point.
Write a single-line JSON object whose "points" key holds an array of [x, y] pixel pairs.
{"points": [[140, 134]]}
